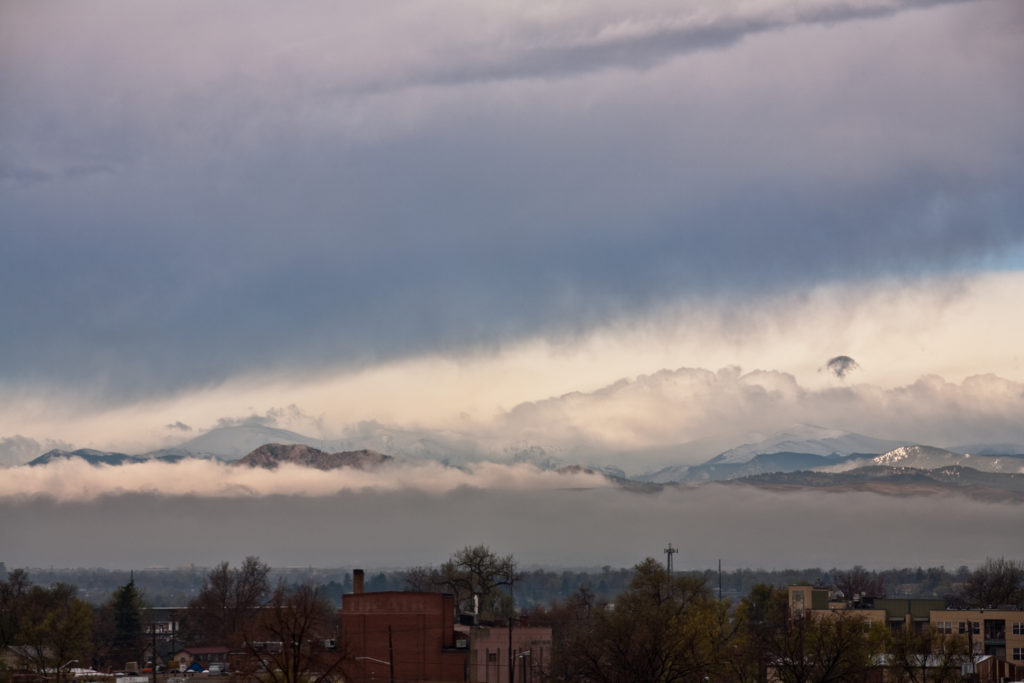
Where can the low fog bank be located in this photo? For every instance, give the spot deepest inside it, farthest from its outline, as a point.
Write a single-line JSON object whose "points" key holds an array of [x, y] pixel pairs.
{"points": [[76, 480], [583, 527]]}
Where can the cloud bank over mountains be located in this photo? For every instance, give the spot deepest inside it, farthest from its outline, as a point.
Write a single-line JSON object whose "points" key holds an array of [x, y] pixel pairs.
{"points": [[672, 417], [699, 372], [690, 405]]}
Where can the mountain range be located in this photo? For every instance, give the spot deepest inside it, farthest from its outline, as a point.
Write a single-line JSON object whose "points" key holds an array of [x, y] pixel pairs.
{"points": [[94, 457], [804, 456], [987, 486]]}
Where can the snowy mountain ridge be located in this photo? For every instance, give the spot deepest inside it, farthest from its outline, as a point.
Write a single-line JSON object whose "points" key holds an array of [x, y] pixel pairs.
{"points": [[808, 439]]}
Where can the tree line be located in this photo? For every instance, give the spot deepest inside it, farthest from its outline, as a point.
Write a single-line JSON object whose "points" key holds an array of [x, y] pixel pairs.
{"points": [[535, 586], [656, 628], [279, 633], [673, 628]]}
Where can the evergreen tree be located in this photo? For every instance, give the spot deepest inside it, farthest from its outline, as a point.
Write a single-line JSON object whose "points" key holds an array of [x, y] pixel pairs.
{"points": [[126, 612]]}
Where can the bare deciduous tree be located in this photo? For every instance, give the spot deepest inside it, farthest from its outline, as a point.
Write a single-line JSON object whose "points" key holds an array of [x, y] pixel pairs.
{"points": [[859, 581], [997, 582], [927, 656], [218, 615], [474, 571], [293, 638]]}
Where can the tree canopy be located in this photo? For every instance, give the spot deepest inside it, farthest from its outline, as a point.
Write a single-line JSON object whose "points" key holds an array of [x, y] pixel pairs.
{"points": [[475, 572], [229, 597], [996, 583]]}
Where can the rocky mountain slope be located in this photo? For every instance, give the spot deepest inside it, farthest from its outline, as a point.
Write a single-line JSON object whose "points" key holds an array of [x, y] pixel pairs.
{"points": [[272, 455]]}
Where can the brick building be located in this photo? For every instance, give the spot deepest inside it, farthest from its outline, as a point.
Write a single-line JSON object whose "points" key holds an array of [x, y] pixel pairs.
{"points": [[489, 654], [402, 636]]}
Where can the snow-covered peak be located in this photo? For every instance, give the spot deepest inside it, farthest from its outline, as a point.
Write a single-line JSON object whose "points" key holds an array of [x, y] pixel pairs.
{"points": [[930, 458], [921, 457]]}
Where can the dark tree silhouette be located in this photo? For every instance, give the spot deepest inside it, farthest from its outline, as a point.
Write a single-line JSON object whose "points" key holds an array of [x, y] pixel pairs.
{"points": [[474, 571], [227, 601], [995, 583], [661, 629], [54, 628], [859, 581], [126, 610], [293, 638]]}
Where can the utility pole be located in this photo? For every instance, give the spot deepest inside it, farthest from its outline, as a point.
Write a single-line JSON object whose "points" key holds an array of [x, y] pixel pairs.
{"points": [[391, 656], [511, 657], [152, 628], [719, 579]]}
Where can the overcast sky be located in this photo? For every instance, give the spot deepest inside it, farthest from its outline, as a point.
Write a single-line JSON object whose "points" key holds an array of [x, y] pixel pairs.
{"points": [[573, 224], [211, 210]]}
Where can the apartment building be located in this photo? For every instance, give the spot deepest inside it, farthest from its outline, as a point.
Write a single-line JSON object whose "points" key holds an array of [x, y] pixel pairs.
{"points": [[996, 632]]}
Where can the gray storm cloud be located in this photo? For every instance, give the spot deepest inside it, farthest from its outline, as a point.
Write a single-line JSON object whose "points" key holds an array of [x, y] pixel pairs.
{"points": [[639, 38], [340, 188]]}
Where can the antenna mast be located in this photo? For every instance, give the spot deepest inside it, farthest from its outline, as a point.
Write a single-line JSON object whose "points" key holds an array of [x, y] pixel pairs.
{"points": [[669, 552]]}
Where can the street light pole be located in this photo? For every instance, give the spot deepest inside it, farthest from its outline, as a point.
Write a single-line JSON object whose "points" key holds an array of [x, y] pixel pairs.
{"points": [[64, 666]]}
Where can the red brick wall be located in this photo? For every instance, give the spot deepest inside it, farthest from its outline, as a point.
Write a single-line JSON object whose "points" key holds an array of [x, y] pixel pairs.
{"points": [[421, 634]]}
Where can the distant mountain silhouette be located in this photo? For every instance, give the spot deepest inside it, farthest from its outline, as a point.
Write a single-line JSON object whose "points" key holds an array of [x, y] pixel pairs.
{"points": [[271, 455], [94, 457], [988, 486]]}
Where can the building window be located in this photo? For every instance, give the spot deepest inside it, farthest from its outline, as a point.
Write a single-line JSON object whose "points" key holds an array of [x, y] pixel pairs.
{"points": [[1018, 628], [944, 626], [1018, 653], [975, 626]]}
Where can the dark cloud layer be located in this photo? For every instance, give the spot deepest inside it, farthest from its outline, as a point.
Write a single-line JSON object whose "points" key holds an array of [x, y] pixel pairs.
{"points": [[177, 222], [568, 528], [544, 56]]}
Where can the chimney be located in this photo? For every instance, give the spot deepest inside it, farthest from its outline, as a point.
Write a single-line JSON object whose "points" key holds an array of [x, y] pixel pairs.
{"points": [[357, 581]]}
